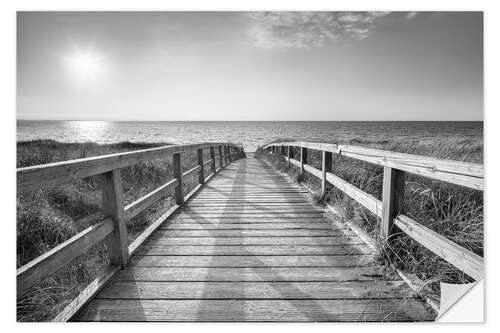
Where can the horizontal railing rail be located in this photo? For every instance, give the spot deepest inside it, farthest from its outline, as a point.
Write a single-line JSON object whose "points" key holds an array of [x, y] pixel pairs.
{"points": [[389, 208], [113, 229]]}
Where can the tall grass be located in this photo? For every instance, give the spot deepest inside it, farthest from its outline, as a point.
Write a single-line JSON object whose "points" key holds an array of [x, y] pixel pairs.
{"points": [[453, 211], [49, 216]]}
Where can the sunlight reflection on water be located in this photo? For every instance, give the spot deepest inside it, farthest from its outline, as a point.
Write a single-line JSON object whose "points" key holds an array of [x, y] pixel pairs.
{"points": [[250, 134]]}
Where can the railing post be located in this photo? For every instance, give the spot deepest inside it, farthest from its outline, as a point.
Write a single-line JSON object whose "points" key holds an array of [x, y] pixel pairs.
{"points": [[220, 157], [212, 157], [179, 197], [288, 153], [201, 178], [392, 200], [112, 195], [303, 159], [326, 167]]}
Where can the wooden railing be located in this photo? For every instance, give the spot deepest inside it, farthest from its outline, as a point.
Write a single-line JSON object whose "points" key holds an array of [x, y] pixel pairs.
{"points": [[113, 229], [389, 208]]}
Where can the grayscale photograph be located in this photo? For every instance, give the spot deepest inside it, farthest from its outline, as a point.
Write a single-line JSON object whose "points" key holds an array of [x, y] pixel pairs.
{"points": [[247, 166]]}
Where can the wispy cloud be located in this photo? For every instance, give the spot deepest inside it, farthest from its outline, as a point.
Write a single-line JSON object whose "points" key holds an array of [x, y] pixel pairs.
{"points": [[411, 15], [310, 29]]}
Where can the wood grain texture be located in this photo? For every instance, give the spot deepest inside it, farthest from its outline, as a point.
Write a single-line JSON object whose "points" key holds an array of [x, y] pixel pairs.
{"points": [[270, 274], [465, 260], [461, 173], [144, 202], [255, 290], [339, 310], [250, 246], [34, 177], [239, 250], [49, 262]]}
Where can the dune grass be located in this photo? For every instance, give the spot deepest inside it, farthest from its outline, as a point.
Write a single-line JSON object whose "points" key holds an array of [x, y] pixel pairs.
{"points": [[49, 216], [453, 211]]}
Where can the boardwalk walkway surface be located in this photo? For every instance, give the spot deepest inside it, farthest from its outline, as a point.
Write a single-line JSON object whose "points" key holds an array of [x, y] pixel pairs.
{"points": [[251, 246]]}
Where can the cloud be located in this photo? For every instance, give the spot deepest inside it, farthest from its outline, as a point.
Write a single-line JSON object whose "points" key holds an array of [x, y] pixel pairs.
{"points": [[411, 15], [310, 29]]}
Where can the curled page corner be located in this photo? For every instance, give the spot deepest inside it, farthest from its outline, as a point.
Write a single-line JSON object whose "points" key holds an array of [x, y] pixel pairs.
{"points": [[467, 309]]}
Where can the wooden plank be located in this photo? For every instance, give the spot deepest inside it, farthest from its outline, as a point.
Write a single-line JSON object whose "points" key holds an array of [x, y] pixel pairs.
{"points": [[221, 161], [393, 192], [303, 159], [212, 158], [251, 210], [461, 173], [154, 239], [292, 274], [190, 171], [177, 166], [266, 225], [255, 290], [465, 260], [139, 240], [52, 260], [366, 200], [112, 195], [256, 310], [144, 202], [201, 178], [329, 147], [35, 177], [247, 219], [86, 295], [288, 250], [326, 166], [313, 171], [252, 233], [252, 261]]}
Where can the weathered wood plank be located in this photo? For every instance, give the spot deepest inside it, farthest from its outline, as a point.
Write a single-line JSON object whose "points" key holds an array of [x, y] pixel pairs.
{"points": [[461, 173], [465, 260], [190, 171], [366, 200], [252, 233], [252, 261], [144, 202], [34, 177], [251, 226], [154, 239], [256, 310], [177, 166], [113, 204], [139, 240], [49, 262], [393, 193], [288, 250], [292, 274], [255, 290], [86, 295]]}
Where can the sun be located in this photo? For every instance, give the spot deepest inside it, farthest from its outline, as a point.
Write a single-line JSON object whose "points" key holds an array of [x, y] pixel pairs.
{"points": [[84, 65]]}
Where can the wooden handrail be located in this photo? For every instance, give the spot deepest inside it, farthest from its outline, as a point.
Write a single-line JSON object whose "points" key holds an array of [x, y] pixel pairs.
{"points": [[113, 229], [461, 173], [34, 177], [389, 209]]}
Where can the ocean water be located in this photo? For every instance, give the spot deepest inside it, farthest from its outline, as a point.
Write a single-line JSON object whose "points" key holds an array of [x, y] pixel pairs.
{"points": [[250, 134]]}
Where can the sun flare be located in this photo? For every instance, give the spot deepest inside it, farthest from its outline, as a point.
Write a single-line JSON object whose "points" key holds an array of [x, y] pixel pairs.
{"points": [[84, 65]]}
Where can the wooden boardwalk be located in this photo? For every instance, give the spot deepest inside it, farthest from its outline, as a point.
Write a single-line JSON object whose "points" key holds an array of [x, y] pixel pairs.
{"points": [[251, 246]]}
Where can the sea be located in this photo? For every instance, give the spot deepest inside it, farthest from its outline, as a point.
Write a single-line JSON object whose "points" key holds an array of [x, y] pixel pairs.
{"points": [[249, 134]]}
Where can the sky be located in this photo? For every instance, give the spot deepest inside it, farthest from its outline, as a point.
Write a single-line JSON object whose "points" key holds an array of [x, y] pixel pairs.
{"points": [[250, 66]]}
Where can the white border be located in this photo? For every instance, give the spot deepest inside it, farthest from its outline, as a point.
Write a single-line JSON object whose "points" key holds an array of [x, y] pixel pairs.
{"points": [[7, 131]]}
